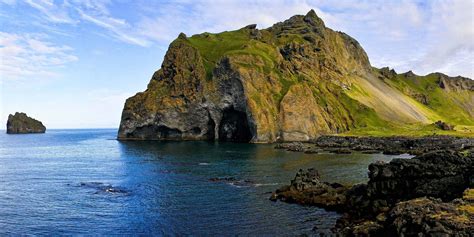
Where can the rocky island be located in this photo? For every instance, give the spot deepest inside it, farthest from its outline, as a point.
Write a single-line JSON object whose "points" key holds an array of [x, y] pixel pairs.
{"points": [[20, 123], [294, 81]]}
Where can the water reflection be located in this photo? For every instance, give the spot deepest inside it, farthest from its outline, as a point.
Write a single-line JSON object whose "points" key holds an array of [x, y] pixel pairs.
{"points": [[178, 189], [157, 187]]}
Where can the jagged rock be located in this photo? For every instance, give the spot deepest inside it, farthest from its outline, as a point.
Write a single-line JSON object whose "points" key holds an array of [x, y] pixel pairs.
{"points": [[294, 81], [251, 26], [401, 198], [387, 72], [442, 174], [422, 98], [430, 217], [409, 74], [307, 189], [21, 123], [455, 83]]}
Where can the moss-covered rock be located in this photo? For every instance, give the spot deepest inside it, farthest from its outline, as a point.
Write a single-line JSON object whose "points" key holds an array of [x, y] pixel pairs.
{"points": [[21, 123], [294, 81]]}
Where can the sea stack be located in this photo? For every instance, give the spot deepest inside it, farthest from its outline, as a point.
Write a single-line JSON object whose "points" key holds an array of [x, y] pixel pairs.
{"points": [[20, 123]]}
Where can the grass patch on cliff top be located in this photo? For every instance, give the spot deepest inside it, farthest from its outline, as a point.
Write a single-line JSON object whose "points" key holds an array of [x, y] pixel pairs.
{"points": [[213, 47], [444, 104]]}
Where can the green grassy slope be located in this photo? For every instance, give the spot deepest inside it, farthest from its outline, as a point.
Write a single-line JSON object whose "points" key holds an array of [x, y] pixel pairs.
{"points": [[359, 104]]}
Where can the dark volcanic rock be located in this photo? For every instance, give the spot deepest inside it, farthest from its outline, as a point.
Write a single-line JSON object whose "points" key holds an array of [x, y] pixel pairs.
{"points": [[442, 175], [292, 146], [430, 217], [387, 145], [401, 198], [21, 123], [395, 145], [307, 189]]}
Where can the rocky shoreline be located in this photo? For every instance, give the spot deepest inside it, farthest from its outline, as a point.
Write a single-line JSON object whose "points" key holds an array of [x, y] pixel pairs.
{"points": [[428, 195], [386, 145]]}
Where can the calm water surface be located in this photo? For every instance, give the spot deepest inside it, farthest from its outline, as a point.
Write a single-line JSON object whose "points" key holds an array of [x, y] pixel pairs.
{"points": [[85, 182]]}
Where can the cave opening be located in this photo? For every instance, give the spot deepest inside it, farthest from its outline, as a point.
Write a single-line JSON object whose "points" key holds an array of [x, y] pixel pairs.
{"points": [[211, 126], [234, 126]]}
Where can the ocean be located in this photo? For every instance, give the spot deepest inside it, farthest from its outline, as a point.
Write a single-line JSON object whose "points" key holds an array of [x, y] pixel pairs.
{"points": [[68, 182]]}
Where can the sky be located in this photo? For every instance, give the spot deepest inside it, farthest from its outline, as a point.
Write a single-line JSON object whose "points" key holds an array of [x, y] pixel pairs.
{"points": [[72, 63]]}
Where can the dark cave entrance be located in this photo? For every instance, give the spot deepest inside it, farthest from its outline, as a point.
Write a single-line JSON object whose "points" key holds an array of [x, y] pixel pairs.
{"points": [[211, 126], [234, 126]]}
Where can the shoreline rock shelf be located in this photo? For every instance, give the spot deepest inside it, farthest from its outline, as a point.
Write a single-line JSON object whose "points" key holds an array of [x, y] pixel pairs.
{"points": [[431, 194], [20, 123], [385, 145]]}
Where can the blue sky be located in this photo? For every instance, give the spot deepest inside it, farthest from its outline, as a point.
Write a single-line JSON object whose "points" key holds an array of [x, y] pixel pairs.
{"points": [[72, 63]]}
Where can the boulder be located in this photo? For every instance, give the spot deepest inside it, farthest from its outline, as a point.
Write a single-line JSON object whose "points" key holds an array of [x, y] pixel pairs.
{"points": [[443, 126], [307, 189]]}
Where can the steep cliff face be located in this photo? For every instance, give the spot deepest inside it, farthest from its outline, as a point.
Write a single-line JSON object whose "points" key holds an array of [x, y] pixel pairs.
{"points": [[293, 81], [20, 123]]}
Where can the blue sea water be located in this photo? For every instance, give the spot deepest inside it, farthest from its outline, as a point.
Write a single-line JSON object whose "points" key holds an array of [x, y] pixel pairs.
{"points": [[86, 182]]}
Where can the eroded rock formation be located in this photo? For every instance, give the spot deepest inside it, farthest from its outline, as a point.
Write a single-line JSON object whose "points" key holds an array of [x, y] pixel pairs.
{"points": [[294, 81]]}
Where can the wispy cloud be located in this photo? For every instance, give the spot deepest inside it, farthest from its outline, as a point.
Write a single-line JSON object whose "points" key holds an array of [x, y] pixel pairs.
{"points": [[118, 28], [57, 13], [23, 56], [419, 35]]}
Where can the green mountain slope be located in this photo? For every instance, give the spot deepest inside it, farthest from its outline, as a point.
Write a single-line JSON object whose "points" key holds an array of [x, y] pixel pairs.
{"points": [[294, 81]]}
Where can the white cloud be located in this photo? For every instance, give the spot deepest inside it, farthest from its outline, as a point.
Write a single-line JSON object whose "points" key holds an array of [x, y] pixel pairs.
{"points": [[423, 36], [451, 30], [23, 56]]}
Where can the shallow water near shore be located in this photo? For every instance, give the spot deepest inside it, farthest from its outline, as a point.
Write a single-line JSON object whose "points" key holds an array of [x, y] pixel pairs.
{"points": [[86, 182]]}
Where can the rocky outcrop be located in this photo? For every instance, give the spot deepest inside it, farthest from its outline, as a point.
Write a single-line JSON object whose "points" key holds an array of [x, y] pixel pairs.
{"points": [[307, 189], [427, 194], [20, 123], [294, 81], [432, 217], [455, 83], [441, 174]]}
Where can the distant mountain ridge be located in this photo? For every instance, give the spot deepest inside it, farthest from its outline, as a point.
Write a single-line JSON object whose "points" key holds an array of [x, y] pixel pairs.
{"points": [[294, 81]]}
